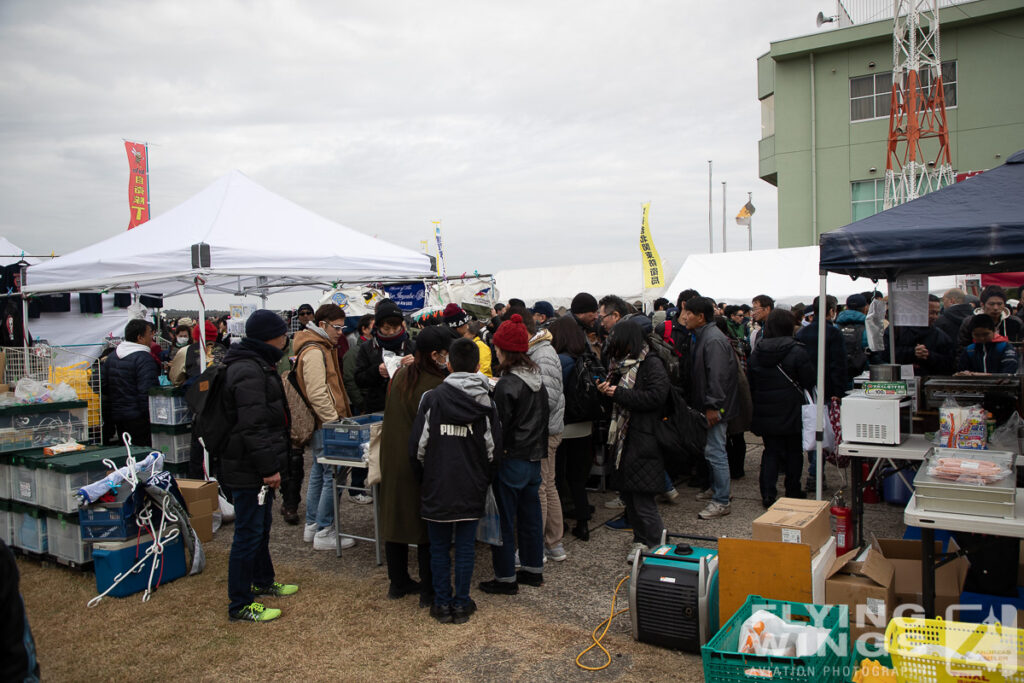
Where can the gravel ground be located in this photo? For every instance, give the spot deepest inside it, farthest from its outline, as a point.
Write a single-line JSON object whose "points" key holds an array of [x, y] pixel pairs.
{"points": [[578, 591]]}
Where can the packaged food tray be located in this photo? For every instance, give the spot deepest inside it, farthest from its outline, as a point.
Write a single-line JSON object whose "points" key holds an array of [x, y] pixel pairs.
{"points": [[724, 662], [936, 494], [1001, 646]]}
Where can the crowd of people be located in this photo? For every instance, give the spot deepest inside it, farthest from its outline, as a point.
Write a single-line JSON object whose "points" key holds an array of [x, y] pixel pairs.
{"points": [[520, 407]]}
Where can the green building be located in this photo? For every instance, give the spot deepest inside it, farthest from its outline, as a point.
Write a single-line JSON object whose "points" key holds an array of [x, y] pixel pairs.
{"points": [[825, 111]]}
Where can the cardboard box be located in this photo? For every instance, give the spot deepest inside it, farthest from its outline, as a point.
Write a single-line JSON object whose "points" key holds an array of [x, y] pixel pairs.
{"points": [[866, 586], [820, 566], [201, 501], [905, 557], [791, 520]]}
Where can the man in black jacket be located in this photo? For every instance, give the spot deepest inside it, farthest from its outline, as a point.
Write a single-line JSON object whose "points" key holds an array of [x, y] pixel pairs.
{"points": [[389, 335], [928, 349], [252, 461], [127, 376], [955, 309]]}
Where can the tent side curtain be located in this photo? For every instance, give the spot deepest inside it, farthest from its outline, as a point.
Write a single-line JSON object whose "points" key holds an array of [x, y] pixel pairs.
{"points": [[975, 226]]}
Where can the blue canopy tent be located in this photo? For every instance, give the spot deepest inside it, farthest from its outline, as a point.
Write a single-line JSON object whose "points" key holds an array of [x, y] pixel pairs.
{"points": [[975, 226]]}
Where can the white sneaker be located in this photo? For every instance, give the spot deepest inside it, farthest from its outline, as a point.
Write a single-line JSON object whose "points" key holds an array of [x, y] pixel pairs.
{"points": [[362, 499], [715, 510], [615, 503], [669, 496], [557, 554], [637, 548], [327, 539], [308, 532]]}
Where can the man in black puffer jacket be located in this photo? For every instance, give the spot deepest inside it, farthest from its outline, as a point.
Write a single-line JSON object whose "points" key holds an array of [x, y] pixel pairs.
{"points": [[389, 334], [252, 461], [127, 376]]}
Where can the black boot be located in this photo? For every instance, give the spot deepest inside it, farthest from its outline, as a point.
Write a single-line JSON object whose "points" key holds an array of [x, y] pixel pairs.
{"points": [[581, 531]]}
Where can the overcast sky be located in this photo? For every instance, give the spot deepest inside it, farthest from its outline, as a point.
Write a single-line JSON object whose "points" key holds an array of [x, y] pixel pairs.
{"points": [[533, 130]]}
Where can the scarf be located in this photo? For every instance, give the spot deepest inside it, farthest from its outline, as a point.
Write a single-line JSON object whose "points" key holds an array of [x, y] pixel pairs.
{"points": [[393, 343], [619, 426]]}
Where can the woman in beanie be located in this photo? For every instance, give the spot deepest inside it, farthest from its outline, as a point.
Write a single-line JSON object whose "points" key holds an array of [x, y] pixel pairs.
{"points": [[638, 386], [400, 522], [522, 404], [389, 336]]}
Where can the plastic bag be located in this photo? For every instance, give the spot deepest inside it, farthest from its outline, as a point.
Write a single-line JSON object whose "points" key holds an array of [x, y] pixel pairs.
{"points": [[765, 633], [975, 471], [489, 528], [63, 392], [1005, 437], [29, 390], [962, 426]]}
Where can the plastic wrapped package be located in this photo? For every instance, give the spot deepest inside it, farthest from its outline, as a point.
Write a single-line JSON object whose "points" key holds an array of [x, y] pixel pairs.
{"points": [[962, 426]]}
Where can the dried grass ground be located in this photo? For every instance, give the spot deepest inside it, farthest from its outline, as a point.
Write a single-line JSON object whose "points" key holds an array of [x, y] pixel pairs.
{"points": [[340, 626]]}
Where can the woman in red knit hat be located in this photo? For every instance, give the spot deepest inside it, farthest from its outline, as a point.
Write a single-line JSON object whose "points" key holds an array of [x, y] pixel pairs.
{"points": [[522, 405]]}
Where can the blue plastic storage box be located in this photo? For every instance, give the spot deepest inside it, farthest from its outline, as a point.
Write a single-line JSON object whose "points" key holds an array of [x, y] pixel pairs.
{"points": [[345, 438], [111, 559], [111, 521]]}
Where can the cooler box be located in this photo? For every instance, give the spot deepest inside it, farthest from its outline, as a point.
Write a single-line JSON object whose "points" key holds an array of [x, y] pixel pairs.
{"points": [[174, 441], [345, 438], [29, 528], [167, 406], [111, 559], [34, 425], [65, 539]]}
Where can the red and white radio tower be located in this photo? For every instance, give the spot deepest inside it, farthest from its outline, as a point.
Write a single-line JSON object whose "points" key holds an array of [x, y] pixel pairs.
{"points": [[918, 107]]}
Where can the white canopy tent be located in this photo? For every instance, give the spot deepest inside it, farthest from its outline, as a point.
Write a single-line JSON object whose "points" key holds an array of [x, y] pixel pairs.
{"points": [[559, 284], [787, 275], [258, 242]]}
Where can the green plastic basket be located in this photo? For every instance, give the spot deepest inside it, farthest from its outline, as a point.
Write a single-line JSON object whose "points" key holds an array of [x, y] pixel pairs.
{"points": [[724, 662]]}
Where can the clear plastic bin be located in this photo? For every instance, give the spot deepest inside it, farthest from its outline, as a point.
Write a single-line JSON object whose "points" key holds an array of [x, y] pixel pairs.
{"points": [[24, 487], [65, 539], [6, 524], [168, 410], [5, 481], [176, 445], [30, 530], [57, 489], [44, 424]]}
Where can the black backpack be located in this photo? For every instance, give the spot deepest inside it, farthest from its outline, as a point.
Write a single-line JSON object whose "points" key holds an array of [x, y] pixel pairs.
{"points": [[211, 419], [682, 432], [663, 346], [856, 357], [583, 401]]}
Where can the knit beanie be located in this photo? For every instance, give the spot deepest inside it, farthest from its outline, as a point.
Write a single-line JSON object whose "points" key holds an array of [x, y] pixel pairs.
{"points": [[455, 316], [434, 338], [583, 303], [856, 302], [264, 325], [544, 308], [387, 310], [512, 335], [211, 332]]}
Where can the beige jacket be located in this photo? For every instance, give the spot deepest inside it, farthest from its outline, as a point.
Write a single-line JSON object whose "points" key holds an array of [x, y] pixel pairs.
{"points": [[319, 376]]}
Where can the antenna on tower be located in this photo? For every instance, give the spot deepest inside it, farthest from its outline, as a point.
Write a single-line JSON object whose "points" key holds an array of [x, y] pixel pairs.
{"points": [[918, 158]]}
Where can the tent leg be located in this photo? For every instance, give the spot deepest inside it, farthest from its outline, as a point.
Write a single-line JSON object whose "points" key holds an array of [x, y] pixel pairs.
{"points": [[892, 324], [24, 322], [819, 428]]}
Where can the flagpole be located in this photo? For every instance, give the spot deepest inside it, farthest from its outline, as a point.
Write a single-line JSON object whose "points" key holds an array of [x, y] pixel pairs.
{"points": [[711, 233], [149, 186], [750, 226], [724, 212]]}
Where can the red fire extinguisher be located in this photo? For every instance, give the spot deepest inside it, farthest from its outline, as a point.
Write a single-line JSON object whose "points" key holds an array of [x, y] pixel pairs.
{"points": [[842, 521]]}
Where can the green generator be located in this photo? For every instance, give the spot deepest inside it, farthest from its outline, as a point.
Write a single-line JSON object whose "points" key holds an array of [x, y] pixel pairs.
{"points": [[673, 594]]}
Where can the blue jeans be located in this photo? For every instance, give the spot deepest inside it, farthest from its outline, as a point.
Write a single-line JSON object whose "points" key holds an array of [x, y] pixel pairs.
{"points": [[249, 562], [516, 492], [320, 490], [718, 462], [442, 536]]}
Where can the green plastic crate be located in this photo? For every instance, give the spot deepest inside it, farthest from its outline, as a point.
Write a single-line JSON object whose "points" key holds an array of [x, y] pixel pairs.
{"points": [[724, 662]]}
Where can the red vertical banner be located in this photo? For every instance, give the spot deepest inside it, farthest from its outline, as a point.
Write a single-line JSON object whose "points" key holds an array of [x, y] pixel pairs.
{"points": [[138, 183]]}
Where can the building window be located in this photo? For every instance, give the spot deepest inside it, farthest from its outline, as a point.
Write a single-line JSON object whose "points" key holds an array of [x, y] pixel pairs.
{"points": [[768, 117], [868, 197], [871, 95]]}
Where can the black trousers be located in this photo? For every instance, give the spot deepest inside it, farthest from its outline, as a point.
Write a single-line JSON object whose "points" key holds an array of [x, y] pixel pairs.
{"points": [[642, 513], [736, 450], [138, 428], [291, 479], [397, 557], [573, 461], [781, 453]]}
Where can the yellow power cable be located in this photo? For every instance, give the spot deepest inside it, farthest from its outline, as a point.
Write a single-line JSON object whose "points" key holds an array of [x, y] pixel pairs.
{"points": [[597, 638]]}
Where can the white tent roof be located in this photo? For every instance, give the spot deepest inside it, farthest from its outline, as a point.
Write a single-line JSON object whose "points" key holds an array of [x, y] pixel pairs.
{"points": [[252, 232], [787, 275], [559, 284], [11, 253]]}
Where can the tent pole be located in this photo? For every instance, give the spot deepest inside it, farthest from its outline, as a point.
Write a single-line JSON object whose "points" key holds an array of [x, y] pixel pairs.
{"points": [[24, 322], [201, 289], [820, 314], [892, 325]]}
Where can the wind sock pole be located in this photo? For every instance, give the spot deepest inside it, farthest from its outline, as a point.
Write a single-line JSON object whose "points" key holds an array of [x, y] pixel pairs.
{"points": [[711, 230], [750, 226]]}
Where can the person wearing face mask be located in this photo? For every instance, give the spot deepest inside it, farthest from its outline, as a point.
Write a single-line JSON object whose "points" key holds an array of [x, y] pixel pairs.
{"points": [[182, 338], [400, 522], [320, 382], [389, 336], [253, 459]]}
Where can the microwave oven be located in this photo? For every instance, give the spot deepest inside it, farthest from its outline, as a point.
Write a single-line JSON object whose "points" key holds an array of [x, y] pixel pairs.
{"points": [[875, 420]]}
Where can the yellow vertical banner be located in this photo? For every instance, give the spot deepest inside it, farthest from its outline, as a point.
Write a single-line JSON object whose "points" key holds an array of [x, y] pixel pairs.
{"points": [[651, 261]]}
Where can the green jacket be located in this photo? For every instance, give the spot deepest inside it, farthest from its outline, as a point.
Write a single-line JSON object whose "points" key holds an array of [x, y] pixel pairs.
{"points": [[355, 394]]}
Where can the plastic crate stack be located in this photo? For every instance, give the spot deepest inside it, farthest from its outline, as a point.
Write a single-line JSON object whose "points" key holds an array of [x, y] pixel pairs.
{"points": [[38, 510], [171, 426]]}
